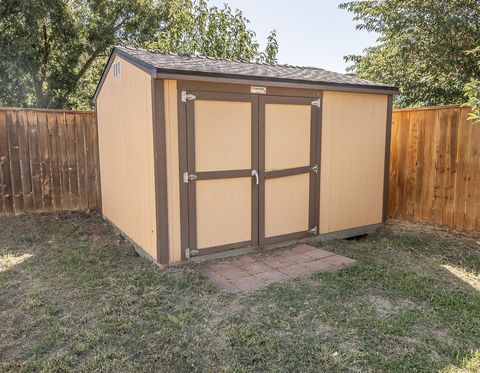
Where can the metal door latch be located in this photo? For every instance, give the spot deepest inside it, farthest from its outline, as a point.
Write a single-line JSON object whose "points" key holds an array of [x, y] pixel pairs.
{"points": [[255, 173], [313, 231], [187, 177], [314, 168], [187, 96], [317, 103], [190, 252]]}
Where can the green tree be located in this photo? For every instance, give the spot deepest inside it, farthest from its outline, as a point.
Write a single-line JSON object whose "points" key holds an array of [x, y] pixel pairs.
{"points": [[49, 45], [193, 27], [52, 51], [428, 48]]}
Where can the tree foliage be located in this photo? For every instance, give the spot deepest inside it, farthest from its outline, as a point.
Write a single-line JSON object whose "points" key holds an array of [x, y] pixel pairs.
{"points": [[52, 51], [428, 48], [192, 27]]}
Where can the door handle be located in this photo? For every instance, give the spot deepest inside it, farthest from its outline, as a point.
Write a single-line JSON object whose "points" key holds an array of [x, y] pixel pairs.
{"points": [[255, 173]]}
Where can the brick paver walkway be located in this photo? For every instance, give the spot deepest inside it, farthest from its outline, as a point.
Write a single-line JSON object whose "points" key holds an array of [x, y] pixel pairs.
{"points": [[253, 271]]}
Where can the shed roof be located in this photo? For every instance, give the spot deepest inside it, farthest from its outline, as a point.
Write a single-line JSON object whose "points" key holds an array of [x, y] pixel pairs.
{"points": [[169, 63]]}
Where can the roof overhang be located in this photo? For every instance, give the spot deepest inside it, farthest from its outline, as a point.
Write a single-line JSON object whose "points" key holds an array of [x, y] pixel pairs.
{"points": [[160, 73]]}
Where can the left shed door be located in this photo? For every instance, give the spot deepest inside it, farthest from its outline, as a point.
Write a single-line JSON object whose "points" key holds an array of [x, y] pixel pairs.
{"points": [[222, 152]]}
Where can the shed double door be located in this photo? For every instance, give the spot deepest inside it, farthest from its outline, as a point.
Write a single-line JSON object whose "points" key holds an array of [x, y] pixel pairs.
{"points": [[252, 170]]}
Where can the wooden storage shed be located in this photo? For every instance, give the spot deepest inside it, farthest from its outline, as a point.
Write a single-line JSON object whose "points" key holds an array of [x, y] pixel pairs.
{"points": [[199, 155]]}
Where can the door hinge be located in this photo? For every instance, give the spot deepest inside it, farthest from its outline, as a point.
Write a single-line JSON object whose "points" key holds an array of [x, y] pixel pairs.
{"points": [[314, 168], [317, 103], [187, 177], [313, 231], [187, 96], [190, 252]]}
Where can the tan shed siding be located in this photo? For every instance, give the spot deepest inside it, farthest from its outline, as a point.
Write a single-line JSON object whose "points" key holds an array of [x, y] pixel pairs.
{"points": [[173, 172], [352, 157], [287, 136], [124, 109], [223, 134]]}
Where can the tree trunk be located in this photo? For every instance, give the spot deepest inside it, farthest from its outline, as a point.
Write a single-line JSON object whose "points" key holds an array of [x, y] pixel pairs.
{"points": [[38, 84]]}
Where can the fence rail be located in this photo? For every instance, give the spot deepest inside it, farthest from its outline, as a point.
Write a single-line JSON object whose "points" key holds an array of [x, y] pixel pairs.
{"points": [[435, 167], [48, 161]]}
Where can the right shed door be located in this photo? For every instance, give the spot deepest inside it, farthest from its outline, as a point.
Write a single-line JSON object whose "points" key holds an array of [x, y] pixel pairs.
{"points": [[289, 168]]}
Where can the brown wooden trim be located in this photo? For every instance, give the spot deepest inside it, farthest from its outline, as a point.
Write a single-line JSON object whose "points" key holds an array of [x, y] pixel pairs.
{"points": [[160, 167], [192, 189], [313, 161], [257, 81], [318, 150], [183, 164], [287, 172], [227, 174], [225, 247], [314, 180], [255, 166], [287, 100], [208, 175], [286, 237], [216, 96], [350, 232], [99, 173], [204, 86], [386, 174], [261, 170]]}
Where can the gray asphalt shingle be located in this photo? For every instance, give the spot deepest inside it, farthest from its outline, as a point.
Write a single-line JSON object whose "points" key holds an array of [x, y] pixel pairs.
{"points": [[212, 66]]}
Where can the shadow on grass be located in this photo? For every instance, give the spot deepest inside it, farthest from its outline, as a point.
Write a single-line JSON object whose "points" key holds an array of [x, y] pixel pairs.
{"points": [[80, 298]]}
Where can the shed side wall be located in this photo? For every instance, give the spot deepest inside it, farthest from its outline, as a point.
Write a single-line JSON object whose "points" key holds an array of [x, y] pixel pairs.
{"points": [[352, 160], [173, 172], [125, 131]]}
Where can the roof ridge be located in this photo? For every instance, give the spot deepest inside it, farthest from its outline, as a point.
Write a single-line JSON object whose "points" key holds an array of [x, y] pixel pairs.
{"points": [[200, 55], [236, 67]]}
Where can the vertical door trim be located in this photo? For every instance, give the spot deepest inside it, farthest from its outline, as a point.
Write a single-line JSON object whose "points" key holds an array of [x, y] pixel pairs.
{"points": [[160, 171], [192, 188], [386, 174], [182, 160], [314, 178], [318, 152], [190, 236]]}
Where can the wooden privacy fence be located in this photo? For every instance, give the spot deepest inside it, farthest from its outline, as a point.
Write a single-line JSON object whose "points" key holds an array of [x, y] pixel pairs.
{"points": [[435, 167], [48, 161]]}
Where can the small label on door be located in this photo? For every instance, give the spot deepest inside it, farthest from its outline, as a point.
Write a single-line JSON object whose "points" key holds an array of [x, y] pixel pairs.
{"points": [[258, 90]]}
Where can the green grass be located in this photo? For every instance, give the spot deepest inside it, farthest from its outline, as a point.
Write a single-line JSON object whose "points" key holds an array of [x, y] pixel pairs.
{"points": [[75, 297]]}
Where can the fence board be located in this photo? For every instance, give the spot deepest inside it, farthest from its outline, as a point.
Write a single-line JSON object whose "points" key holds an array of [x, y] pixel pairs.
{"points": [[463, 149], [36, 167], [443, 149], [63, 156], [472, 213], [48, 160], [410, 166], [6, 198], [46, 166], [24, 155], [55, 161], [72, 161], [81, 160], [94, 198], [15, 167]]}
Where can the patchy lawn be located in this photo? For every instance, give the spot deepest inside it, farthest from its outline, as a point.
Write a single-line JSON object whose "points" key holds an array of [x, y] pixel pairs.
{"points": [[74, 296]]}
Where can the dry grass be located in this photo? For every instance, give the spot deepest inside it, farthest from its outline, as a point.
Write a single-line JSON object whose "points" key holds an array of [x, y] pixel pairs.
{"points": [[75, 297]]}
